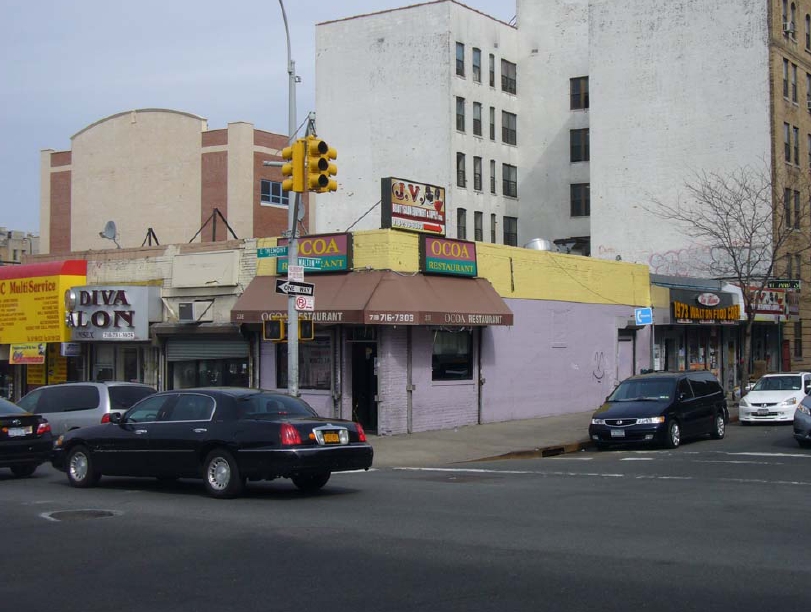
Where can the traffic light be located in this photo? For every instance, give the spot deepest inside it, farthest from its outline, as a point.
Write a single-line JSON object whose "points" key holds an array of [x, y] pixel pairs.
{"points": [[306, 329], [273, 330], [294, 169], [319, 168]]}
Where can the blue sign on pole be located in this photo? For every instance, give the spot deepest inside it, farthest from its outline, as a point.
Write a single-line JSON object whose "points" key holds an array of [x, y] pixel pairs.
{"points": [[643, 316]]}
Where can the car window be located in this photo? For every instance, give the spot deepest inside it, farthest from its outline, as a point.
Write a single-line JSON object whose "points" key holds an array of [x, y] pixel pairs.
{"points": [[190, 407], [123, 397], [806, 401], [273, 406], [147, 410], [30, 401], [7, 407], [700, 387], [685, 391], [778, 383], [73, 398]]}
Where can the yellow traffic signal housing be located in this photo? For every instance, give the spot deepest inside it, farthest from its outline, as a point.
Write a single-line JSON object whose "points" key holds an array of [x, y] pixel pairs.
{"points": [[273, 330], [320, 171], [306, 329], [294, 169]]}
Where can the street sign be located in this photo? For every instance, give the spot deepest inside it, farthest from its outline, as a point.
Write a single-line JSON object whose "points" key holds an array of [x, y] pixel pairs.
{"points": [[291, 287], [277, 251], [305, 303], [783, 284], [643, 316], [295, 273]]}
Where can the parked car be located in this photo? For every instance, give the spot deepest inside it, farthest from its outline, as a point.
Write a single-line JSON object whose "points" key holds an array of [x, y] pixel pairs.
{"points": [[802, 422], [71, 405], [661, 408], [25, 439], [774, 398], [223, 435]]}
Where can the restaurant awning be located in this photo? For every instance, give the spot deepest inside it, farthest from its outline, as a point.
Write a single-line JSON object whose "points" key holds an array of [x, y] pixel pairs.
{"points": [[382, 297]]}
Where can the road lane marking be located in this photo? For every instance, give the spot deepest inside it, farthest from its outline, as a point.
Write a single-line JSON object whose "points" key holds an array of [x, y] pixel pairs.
{"points": [[637, 459], [754, 454]]}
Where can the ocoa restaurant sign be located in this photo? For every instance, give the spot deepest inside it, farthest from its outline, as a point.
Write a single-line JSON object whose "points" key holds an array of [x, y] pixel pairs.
{"points": [[111, 314]]}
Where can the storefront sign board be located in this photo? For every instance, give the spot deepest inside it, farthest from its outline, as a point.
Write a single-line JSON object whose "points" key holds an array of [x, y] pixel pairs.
{"points": [[447, 256], [320, 253], [411, 206], [111, 313]]}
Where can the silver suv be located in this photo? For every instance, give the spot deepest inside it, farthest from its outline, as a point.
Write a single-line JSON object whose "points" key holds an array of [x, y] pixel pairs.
{"points": [[72, 405]]}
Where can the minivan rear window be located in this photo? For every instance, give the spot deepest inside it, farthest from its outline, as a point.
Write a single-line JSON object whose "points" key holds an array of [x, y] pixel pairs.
{"points": [[67, 399], [121, 398]]}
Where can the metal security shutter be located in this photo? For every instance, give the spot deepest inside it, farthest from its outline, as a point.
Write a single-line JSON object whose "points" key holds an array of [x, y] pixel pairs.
{"points": [[205, 348]]}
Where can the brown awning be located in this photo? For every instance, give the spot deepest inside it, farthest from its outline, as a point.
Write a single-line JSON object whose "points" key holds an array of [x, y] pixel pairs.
{"points": [[378, 297]]}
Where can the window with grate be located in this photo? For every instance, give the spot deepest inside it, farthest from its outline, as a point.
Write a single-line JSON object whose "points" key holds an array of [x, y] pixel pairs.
{"points": [[477, 173], [461, 224], [509, 180], [477, 119], [508, 77], [492, 176], [492, 123], [493, 228], [478, 226], [460, 114], [492, 70], [461, 179]]}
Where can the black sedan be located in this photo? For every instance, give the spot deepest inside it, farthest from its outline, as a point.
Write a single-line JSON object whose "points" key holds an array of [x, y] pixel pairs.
{"points": [[25, 439], [223, 435]]}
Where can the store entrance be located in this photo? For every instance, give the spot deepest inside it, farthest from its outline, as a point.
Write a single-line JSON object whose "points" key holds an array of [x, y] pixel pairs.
{"points": [[364, 385]]}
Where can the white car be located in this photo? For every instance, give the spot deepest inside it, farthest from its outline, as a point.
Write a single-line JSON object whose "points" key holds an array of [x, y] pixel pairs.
{"points": [[774, 398]]}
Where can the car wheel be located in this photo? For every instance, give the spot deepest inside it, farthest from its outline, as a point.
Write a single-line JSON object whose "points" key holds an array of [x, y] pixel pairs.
{"points": [[24, 471], [719, 428], [804, 443], [310, 482], [221, 475], [673, 435], [81, 472]]}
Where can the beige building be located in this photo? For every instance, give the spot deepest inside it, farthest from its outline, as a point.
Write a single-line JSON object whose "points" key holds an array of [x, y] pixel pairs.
{"points": [[14, 245]]}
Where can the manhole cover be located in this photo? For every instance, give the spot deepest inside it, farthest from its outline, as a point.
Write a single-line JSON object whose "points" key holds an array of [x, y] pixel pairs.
{"points": [[77, 515]]}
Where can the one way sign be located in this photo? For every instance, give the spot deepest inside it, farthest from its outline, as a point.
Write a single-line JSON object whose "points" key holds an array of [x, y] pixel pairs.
{"points": [[291, 287]]}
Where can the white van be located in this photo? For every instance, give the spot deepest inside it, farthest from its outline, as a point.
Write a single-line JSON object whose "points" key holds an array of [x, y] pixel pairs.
{"points": [[774, 398]]}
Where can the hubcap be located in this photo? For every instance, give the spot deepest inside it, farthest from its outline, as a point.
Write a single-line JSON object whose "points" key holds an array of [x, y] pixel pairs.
{"points": [[675, 434], [719, 425], [219, 474], [78, 466]]}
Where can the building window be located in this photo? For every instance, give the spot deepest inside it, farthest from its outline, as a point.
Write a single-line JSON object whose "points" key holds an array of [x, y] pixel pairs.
{"points": [[492, 123], [787, 207], [477, 65], [794, 83], [793, 19], [579, 93], [461, 180], [478, 226], [787, 142], [493, 175], [796, 131], [808, 91], [460, 114], [808, 142], [14, 255], [798, 267], [785, 17], [271, 194], [508, 77], [493, 228], [452, 357], [460, 59], [785, 79], [508, 128], [477, 173], [509, 180], [796, 209], [314, 364], [511, 231], [798, 339], [492, 70], [461, 224], [580, 200], [579, 145], [477, 119], [808, 32]]}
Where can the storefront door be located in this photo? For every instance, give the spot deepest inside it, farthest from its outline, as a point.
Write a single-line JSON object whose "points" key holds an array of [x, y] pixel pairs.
{"points": [[364, 384]]}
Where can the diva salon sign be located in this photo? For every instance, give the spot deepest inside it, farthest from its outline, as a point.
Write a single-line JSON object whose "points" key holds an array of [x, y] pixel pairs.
{"points": [[111, 314]]}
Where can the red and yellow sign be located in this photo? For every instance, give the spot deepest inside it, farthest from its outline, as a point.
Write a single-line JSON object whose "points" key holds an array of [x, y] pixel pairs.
{"points": [[32, 305], [27, 354]]}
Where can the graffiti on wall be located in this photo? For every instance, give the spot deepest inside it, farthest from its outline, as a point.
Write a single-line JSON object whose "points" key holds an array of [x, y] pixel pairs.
{"points": [[598, 371]]}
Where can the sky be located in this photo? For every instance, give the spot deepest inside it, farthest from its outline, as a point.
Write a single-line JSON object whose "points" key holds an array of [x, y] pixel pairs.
{"points": [[67, 64]]}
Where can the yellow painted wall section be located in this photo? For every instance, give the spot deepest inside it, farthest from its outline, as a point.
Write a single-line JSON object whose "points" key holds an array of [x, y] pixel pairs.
{"points": [[660, 297]]}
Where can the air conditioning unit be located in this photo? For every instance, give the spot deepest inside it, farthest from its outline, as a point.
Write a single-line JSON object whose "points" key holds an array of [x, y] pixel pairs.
{"points": [[196, 312], [788, 27], [809, 103]]}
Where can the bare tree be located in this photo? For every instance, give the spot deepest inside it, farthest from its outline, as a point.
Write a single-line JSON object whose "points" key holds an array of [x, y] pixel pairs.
{"points": [[751, 224]]}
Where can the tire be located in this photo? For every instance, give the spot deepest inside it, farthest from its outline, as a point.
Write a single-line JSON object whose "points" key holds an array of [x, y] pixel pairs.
{"points": [[310, 482], [719, 427], [221, 475], [24, 470], [80, 469], [804, 443], [673, 434]]}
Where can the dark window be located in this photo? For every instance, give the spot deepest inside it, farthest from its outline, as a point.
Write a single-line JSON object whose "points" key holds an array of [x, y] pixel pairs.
{"points": [[269, 406], [461, 224], [509, 180], [477, 65], [511, 231], [785, 78], [787, 142], [701, 387], [151, 409], [808, 32], [509, 133], [794, 82], [492, 123], [477, 173], [123, 397], [460, 59], [492, 70], [478, 226], [314, 364], [460, 114], [461, 179], [580, 200], [477, 118], [796, 209], [508, 77], [271, 193], [452, 357], [579, 92], [798, 339], [579, 145], [492, 176], [209, 373], [787, 207], [190, 407], [493, 228], [68, 399], [29, 401], [684, 391], [796, 132]]}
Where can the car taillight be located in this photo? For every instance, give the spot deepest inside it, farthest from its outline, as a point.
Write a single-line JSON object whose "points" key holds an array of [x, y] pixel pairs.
{"points": [[361, 433], [289, 435], [43, 428], [105, 418]]}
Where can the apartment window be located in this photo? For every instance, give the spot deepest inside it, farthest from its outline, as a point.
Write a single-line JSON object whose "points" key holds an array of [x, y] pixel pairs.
{"points": [[787, 207], [808, 32], [793, 18], [787, 141], [808, 91], [511, 231], [794, 83], [580, 199], [460, 114], [785, 11], [579, 92], [798, 339], [509, 180], [492, 123], [14, 255], [478, 226], [785, 79], [493, 174], [796, 209], [507, 76], [796, 131], [493, 228], [492, 70], [461, 181], [508, 128], [477, 65], [579, 145], [452, 357], [461, 223], [477, 173], [271, 194], [460, 59], [477, 119], [808, 143]]}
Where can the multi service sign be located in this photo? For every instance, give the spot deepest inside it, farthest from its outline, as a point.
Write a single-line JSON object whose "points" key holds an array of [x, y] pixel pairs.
{"points": [[111, 313], [415, 207], [320, 253], [447, 256], [31, 306]]}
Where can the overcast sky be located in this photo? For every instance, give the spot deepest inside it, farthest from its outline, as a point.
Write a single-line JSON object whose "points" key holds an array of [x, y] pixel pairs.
{"points": [[67, 64]]}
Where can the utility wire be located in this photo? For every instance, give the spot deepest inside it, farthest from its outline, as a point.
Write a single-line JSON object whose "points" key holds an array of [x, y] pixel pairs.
{"points": [[358, 220]]}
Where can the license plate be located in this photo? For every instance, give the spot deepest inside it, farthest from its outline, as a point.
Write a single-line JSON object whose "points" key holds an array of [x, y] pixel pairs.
{"points": [[617, 433], [17, 432], [331, 438], [763, 412]]}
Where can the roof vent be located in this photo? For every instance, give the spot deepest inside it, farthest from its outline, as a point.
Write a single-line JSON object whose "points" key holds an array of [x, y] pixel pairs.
{"points": [[541, 244]]}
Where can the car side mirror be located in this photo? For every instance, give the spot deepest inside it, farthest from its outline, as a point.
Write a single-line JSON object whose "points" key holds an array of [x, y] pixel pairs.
{"points": [[115, 417], [682, 397]]}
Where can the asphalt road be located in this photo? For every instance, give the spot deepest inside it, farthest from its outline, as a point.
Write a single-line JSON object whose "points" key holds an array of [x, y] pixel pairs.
{"points": [[713, 525]]}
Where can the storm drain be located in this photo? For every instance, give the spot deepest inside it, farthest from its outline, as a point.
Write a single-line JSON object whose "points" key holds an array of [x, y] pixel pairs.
{"points": [[77, 515]]}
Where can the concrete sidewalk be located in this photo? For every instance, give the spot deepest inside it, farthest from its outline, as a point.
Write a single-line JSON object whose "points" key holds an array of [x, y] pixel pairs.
{"points": [[541, 437]]}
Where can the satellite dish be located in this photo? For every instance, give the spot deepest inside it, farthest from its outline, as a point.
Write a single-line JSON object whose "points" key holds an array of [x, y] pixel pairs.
{"points": [[109, 232]]}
